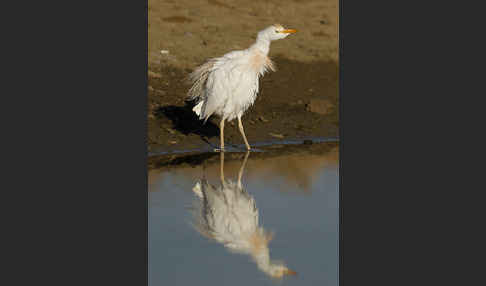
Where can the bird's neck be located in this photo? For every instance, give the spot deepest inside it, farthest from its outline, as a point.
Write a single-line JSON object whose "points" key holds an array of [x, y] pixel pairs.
{"points": [[262, 44], [262, 259]]}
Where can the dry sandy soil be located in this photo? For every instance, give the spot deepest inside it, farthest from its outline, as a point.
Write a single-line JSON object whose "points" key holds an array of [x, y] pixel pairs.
{"points": [[299, 100]]}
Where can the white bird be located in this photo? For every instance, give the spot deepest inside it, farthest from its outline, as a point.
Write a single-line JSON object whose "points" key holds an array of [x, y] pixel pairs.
{"points": [[228, 215], [227, 86]]}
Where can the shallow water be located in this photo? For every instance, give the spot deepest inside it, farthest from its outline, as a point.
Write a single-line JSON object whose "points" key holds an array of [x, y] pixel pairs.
{"points": [[296, 197], [242, 147]]}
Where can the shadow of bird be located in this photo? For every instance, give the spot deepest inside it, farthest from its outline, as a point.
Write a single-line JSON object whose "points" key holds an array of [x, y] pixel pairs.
{"points": [[228, 215]]}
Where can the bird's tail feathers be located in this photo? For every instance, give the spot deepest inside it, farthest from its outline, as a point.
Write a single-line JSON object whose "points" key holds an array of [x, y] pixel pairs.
{"points": [[197, 190], [198, 107], [198, 79]]}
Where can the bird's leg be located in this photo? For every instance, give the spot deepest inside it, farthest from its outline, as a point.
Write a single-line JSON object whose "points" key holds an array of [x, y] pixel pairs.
{"points": [[242, 131], [240, 173], [221, 167], [221, 135], [204, 169]]}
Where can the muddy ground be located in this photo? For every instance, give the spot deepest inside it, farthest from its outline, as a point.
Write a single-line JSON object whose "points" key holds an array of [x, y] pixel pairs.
{"points": [[328, 150], [298, 166], [299, 100]]}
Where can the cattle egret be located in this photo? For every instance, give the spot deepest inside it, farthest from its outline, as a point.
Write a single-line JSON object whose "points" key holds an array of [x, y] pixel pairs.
{"points": [[227, 86], [228, 215]]}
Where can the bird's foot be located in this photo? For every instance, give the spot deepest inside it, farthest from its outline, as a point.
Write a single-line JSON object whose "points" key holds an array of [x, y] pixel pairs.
{"points": [[219, 149]]}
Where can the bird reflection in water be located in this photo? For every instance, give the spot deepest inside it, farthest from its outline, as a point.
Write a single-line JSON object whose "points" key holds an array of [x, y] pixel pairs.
{"points": [[228, 215]]}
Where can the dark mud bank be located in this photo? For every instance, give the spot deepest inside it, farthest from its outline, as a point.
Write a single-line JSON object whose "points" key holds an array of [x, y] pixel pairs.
{"points": [[195, 158], [299, 100]]}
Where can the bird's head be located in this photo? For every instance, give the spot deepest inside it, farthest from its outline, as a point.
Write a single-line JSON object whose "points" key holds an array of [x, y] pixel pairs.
{"points": [[279, 270], [276, 32]]}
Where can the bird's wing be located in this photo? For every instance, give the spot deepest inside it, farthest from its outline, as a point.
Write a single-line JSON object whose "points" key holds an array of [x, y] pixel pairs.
{"points": [[247, 211], [241, 212], [209, 210], [212, 195], [229, 77], [198, 79], [218, 86]]}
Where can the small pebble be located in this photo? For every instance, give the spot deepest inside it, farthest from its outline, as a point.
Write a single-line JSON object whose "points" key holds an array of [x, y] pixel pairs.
{"points": [[262, 119], [170, 131], [276, 135], [161, 92], [172, 142], [154, 74], [164, 52]]}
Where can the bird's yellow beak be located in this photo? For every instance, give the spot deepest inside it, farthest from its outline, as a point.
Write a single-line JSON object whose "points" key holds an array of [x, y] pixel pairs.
{"points": [[290, 272], [288, 31]]}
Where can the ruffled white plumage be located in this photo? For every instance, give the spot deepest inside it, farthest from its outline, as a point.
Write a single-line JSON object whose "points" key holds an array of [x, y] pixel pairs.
{"points": [[228, 215], [227, 86]]}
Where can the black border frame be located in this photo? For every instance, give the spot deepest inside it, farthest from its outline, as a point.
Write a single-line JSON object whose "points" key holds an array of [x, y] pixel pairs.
{"points": [[76, 137]]}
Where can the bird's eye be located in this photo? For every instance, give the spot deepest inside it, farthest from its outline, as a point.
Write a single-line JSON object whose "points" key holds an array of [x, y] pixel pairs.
{"points": [[276, 31]]}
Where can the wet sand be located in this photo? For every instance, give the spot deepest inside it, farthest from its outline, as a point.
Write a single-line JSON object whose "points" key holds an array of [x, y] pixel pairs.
{"points": [[191, 159], [296, 165]]}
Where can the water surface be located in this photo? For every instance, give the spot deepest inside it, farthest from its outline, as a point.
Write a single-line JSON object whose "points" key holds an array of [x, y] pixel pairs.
{"points": [[295, 197]]}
